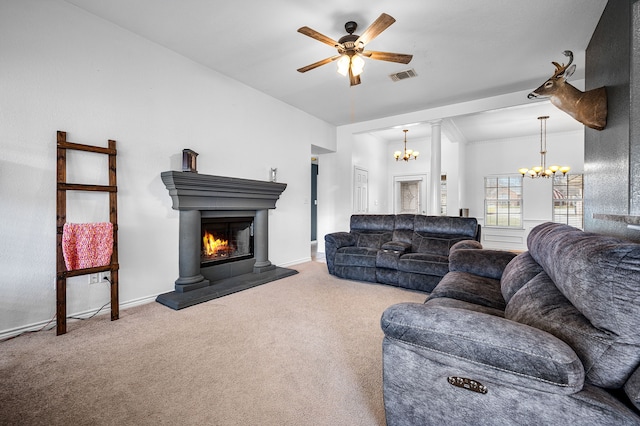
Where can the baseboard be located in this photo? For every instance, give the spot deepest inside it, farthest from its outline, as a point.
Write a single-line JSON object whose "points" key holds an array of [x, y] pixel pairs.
{"points": [[39, 326], [295, 262]]}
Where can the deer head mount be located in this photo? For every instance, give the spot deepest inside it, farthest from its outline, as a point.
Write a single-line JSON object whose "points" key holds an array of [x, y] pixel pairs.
{"points": [[589, 108]]}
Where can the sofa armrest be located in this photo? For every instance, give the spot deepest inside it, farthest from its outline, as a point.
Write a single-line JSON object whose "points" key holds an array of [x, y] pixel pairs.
{"points": [[399, 246], [340, 239], [484, 262], [334, 241], [492, 346], [466, 244]]}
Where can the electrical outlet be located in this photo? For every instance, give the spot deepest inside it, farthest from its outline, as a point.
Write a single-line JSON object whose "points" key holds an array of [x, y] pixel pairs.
{"points": [[94, 278], [105, 277]]}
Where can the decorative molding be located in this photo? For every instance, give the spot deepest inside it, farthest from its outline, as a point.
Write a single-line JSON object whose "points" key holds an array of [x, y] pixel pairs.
{"points": [[192, 191]]}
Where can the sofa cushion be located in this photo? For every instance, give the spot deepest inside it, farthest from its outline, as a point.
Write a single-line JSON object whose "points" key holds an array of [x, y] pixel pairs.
{"points": [[632, 388], [373, 240], [438, 244], [517, 273], [485, 263], [356, 256], [372, 222], [403, 228], [470, 288], [540, 304], [600, 276], [423, 263], [447, 225]]}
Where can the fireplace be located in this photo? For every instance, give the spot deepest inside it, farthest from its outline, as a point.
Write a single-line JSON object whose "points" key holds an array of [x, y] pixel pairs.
{"points": [[225, 240], [223, 244]]}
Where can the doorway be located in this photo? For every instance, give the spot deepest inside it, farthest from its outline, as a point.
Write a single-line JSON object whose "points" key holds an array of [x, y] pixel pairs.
{"points": [[314, 199]]}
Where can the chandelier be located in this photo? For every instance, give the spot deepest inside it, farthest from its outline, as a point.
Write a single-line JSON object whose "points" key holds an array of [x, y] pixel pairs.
{"points": [[408, 154], [542, 170]]}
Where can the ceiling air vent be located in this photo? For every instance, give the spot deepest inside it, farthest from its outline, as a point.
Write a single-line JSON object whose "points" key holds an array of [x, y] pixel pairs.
{"points": [[403, 75]]}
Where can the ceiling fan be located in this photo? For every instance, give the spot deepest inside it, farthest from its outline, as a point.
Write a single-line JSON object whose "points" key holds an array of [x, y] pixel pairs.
{"points": [[351, 48]]}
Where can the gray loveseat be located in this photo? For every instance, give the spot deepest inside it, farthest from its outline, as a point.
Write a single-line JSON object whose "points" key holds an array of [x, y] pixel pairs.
{"points": [[549, 337], [404, 250]]}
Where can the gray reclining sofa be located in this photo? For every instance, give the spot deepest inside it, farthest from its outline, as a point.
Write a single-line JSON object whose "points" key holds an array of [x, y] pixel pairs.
{"points": [[550, 337], [404, 250]]}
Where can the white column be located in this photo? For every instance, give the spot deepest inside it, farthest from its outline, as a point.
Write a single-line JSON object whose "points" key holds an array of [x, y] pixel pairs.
{"points": [[462, 176], [436, 167]]}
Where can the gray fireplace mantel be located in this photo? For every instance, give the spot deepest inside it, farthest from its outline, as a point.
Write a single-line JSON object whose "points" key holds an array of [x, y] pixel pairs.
{"points": [[195, 196], [193, 191]]}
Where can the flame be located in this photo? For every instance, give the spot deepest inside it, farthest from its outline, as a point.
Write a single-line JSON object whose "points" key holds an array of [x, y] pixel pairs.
{"points": [[214, 246]]}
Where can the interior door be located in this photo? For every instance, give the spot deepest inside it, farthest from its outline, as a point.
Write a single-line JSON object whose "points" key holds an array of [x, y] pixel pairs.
{"points": [[360, 191]]}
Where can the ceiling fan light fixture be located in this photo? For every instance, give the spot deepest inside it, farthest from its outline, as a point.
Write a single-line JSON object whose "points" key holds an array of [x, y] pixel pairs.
{"points": [[355, 62], [343, 65], [357, 65]]}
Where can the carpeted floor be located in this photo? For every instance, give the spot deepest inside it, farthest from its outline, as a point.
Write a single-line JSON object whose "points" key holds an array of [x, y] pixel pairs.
{"points": [[304, 350]]}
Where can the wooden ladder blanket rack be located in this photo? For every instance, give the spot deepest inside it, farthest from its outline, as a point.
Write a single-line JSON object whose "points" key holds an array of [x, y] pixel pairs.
{"points": [[61, 217]]}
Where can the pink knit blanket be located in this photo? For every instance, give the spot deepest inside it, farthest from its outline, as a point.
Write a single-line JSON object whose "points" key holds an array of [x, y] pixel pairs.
{"points": [[87, 245]]}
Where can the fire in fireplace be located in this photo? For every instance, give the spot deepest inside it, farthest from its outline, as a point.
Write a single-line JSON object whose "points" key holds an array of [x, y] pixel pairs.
{"points": [[226, 239]]}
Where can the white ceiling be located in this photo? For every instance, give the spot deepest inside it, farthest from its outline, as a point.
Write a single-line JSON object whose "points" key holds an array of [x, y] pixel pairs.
{"points": [[462, 50]]}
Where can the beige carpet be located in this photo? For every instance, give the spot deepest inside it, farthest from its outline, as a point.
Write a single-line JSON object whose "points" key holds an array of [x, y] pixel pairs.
{"points": [[304, 350]]}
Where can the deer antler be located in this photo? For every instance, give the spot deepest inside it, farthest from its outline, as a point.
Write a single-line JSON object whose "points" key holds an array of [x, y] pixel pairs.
{"points": [[560, 69]]}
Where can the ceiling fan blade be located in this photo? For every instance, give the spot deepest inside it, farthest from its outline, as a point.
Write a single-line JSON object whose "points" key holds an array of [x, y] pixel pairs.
{"points": [[388, 56], [316, 35], [379, 25], [319, 63]]}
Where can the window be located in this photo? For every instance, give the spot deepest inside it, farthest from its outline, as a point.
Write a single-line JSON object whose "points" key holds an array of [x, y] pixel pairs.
{"points": [[410, 197], [443, 195], [567, 200], [503, 201]]}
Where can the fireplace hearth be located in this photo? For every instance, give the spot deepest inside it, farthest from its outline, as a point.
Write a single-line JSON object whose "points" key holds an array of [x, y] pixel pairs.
{"points": [[223, 236]]}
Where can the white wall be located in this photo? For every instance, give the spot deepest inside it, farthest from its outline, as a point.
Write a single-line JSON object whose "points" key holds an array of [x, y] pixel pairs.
{"points": [[64, 69], [368, 155]]}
